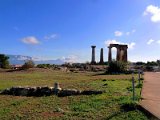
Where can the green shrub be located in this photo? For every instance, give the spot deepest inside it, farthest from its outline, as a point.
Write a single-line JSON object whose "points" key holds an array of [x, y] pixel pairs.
{"points": [[117, 67], [28, 64]]}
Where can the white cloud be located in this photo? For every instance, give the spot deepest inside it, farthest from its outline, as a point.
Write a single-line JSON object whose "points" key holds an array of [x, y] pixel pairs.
{"points": [[154, 11], [70, 59], [118, 33], [30, 40], [52, 36], [107, 42], [129, 33], [130, 45], [150, 41], [133, 31], [158, 41]]}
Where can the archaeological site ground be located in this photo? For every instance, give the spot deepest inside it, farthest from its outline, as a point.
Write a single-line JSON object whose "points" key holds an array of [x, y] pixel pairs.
{"points": [[110, 105]]}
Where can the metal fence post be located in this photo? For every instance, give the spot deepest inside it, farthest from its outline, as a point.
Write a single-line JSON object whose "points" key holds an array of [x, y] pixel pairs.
{"points": [[133, 87], [139, 77]]}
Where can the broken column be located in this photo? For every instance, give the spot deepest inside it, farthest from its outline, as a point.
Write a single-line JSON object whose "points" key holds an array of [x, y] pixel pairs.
{"points": [[93, 55], [101, 57], [56, 88]]}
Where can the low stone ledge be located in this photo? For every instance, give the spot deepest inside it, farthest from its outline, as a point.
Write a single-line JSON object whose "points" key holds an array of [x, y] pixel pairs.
{"points": [[46, 91], [68, 92]]}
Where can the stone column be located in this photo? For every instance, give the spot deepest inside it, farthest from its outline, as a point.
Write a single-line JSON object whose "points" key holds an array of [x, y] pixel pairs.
{"points": [[109, 54], [125, 54], [101, 57], [93, 55], [118, 54]]}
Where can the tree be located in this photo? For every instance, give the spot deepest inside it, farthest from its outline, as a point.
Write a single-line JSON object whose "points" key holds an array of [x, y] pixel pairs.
{"points": [[140, 63], [117, 67], [28, 64], [158, 62], [4, 63], [152, 63]]}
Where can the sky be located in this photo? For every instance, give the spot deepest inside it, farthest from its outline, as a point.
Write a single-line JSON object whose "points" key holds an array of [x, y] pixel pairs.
{"points": [[66, 29]]}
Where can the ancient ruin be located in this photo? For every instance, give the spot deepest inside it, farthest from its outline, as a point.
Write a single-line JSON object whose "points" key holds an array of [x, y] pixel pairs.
{"points": [[121, 52]]}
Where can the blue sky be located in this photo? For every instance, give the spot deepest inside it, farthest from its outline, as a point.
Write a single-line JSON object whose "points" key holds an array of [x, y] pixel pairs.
{"points": [[65, 29]]}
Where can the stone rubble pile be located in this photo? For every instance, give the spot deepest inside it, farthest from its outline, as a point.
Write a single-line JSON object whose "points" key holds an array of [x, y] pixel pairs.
{"points": [[46, 91]]}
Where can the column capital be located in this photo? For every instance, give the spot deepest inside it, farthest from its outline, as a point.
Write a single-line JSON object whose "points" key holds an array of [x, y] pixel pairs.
{"points": [[93, 46]]}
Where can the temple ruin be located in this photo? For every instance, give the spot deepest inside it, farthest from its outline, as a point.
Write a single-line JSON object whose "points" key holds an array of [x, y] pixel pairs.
{"points": [[121, 53]]}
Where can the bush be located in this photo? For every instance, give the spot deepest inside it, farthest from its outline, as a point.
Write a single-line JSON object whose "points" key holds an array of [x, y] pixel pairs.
{"points": [[117, 67], [45, 66], [28, 64]]}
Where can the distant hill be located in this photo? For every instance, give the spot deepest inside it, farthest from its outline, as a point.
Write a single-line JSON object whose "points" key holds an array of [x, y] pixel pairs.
{"points": [[20, 59]]}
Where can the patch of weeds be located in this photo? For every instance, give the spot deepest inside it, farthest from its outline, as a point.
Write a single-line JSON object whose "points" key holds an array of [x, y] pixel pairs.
{"points": [[130, 115], [18, 117], [58, 109], [139, 86], [104, 80], [130, 88], [129, 106], [113, 115], [111, 80], [81, 107], [4, 111], [16, 103], [89, 105], [105, 84]]}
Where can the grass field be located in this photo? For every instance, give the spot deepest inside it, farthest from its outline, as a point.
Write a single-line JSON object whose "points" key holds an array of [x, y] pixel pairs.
{"points": [[106, 106]]}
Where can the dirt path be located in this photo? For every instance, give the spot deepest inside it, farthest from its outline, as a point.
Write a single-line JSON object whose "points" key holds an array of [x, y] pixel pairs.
{"points": [[151, 93]]}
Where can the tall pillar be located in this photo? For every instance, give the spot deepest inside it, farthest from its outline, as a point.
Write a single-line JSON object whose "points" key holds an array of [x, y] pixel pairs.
{"points": [[93, 55], [125, 55], [109, 54], [101, 57]]}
